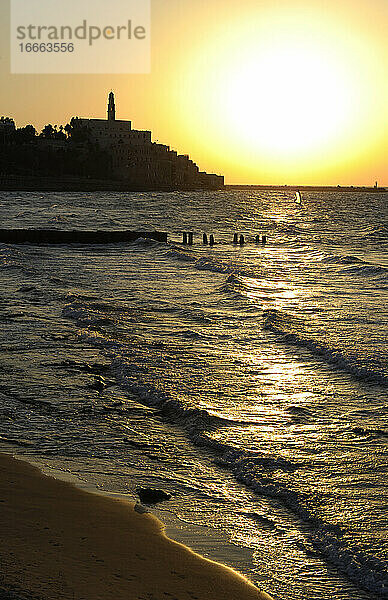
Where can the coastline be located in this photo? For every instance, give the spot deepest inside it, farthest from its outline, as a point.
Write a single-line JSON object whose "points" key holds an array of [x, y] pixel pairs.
{"points": [[49, 183], [62, 541]]}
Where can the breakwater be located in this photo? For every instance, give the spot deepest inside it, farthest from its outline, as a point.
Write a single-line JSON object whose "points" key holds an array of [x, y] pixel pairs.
{"points": [[54, 236]]}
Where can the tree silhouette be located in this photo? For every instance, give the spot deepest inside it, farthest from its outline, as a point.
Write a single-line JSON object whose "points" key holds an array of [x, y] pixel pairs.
{"points": [[7, 121], [24, 135], [48, 132]]}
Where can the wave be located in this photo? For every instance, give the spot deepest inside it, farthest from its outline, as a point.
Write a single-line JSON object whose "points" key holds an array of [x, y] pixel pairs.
{"points": [[195, 420], [290, 328], [368, 571], [368, 270], [44, 406], [370, 432], [341, 260], [286, 228], [205, 263], [86, 317], [378, 232], [235, 284], [11, 259], [261, 519], [265, 474], [355, 266], [331, 541], [299, 414]]}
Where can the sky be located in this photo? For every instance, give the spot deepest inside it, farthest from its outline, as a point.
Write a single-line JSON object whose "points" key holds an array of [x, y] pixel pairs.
{"points": [[261, 91]]}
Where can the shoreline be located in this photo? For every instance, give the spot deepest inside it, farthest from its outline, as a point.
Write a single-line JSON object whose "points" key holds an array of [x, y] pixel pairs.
{"points": [[62, 541], [49, 183], [207, 542]]}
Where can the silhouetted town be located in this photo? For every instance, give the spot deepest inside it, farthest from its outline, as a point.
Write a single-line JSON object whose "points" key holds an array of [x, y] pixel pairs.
{"points": [[93, 154]]}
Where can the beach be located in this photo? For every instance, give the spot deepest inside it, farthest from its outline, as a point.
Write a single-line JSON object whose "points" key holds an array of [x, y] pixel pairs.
{"points": [[58, 541]]}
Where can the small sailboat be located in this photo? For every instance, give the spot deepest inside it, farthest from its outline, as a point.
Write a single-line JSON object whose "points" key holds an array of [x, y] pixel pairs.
{"points": [[298, 197]]}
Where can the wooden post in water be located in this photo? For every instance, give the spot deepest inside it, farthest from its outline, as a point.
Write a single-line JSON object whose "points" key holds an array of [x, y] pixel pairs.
{"points": [[185, 238], [205, 242], [212, 240], [191, 237], [235, 239], [242, 240]]}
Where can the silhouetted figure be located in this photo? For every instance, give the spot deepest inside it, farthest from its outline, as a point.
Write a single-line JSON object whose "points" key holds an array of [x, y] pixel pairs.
{"points": [[185, 238], [242, 240], [264, 240], [298, 197], [191, 238], [212, 240], [235, 239], [205, 242]]}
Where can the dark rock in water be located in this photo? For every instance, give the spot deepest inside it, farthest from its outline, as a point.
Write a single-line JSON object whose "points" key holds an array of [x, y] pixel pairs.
{"points": [[99, 383], [152, 496]]}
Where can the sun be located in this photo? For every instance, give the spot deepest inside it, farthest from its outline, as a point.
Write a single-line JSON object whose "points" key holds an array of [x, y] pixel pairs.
{"points": [[277, 91], [288, 99]]}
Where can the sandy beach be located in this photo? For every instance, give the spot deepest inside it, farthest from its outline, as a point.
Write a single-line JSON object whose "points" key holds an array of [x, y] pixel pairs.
{"points": [[58, 541]]}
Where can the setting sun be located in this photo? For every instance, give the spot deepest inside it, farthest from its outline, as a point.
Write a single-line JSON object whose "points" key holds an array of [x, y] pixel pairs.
{"points": [[285, 90], [282, 102]]}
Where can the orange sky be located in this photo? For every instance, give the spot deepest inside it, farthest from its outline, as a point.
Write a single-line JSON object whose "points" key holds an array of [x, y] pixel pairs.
{"points": [[292, 91]]}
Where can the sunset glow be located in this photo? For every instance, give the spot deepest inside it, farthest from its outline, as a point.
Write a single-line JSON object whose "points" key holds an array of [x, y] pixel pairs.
{"points": [[289, 92]]}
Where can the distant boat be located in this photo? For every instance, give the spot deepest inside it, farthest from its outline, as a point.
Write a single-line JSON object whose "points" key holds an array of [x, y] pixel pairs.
{"points": [[298, 197]]}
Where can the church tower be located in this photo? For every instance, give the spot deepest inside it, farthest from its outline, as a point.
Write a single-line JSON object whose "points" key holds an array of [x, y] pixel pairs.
{"points": [[111, 107]]}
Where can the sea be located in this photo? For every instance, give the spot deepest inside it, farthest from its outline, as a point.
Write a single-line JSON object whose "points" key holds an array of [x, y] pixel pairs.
{"points": [[249, 382]]}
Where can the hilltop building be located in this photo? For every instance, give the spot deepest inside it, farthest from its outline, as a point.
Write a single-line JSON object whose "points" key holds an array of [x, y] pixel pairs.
{"points": [[141, 162]]}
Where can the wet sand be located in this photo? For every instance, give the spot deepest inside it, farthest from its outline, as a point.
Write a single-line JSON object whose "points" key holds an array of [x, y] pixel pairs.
{"points": [[57, 541]]}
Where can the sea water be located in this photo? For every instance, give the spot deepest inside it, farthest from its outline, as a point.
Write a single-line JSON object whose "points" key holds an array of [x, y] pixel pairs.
{"points": [[249, 381]]}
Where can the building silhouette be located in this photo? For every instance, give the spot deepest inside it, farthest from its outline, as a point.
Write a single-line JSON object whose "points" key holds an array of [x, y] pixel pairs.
{"points": [[139, 161], [111, 107]]}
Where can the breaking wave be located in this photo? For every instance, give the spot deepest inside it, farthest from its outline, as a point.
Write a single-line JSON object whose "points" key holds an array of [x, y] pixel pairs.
{"points": [[291, 330], [265, 474], [367, 270], [205, 263]]}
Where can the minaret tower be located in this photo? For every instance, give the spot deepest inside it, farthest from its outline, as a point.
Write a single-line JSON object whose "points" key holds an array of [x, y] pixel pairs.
{"points": [[111, 107]]}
